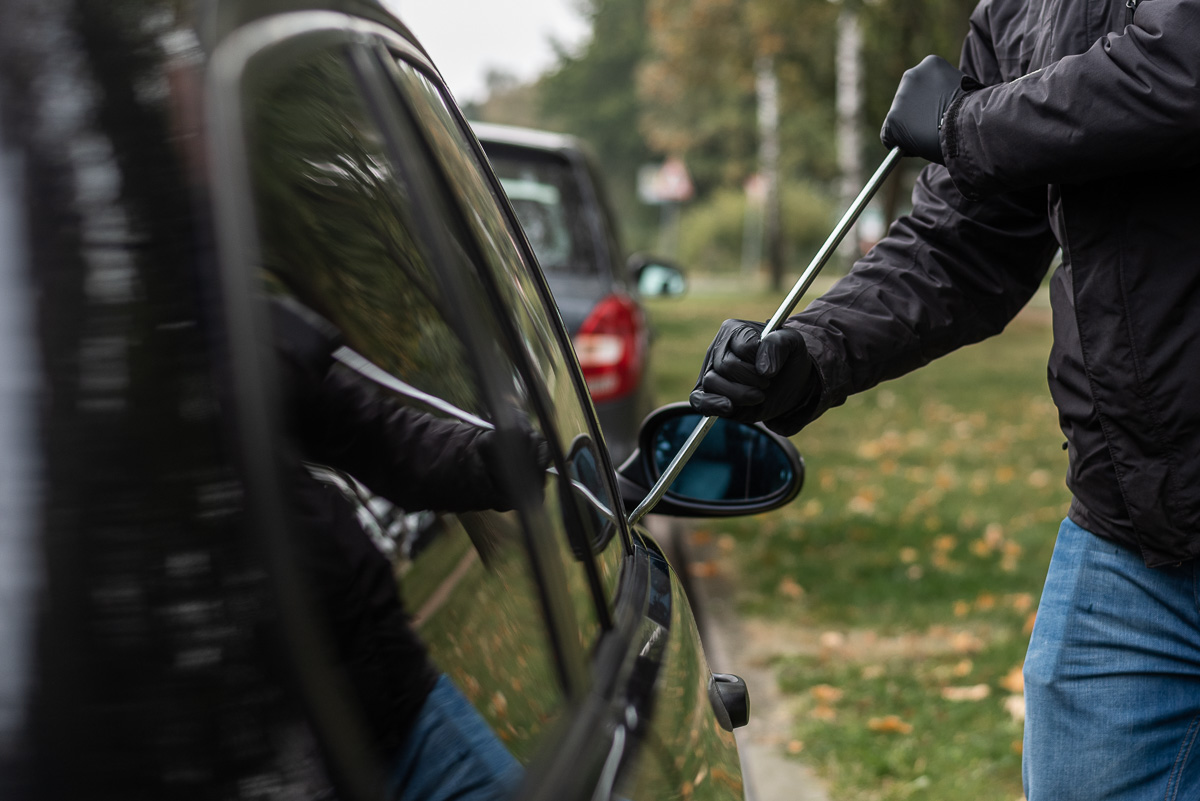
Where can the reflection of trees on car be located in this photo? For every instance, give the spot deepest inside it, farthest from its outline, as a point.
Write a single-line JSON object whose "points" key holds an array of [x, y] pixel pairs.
{"points": [[330, 206]]}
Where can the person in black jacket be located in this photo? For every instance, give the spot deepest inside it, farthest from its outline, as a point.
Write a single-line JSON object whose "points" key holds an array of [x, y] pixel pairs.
{"points": [[1071, 124]]}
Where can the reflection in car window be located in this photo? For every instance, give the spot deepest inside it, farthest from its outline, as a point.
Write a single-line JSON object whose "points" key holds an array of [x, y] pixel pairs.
{"points": [[533, 315], [545, 196], [400, 488]]}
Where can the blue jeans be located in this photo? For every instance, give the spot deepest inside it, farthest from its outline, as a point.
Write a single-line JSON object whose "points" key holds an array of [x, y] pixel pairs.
{"points": [[452, 754], [1112, 677]]}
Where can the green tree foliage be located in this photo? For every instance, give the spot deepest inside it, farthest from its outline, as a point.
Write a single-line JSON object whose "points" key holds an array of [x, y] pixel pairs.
{"points": [[592, 94], [699, 84]]}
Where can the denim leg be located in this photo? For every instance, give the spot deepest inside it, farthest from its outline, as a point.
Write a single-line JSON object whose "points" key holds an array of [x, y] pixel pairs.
{"points": [[452, 755], [1112, 678]]}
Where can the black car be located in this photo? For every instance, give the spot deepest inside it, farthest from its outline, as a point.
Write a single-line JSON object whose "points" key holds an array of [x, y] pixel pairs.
{"points": [[556, 190], [301, 494]]}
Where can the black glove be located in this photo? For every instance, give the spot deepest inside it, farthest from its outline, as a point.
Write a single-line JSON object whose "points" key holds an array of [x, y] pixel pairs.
{"points": [[925, 94], [748, 379]]}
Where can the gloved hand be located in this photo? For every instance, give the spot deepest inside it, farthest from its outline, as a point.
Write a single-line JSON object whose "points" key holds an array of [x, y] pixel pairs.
{"points": [[925, 94], [747, 377]]}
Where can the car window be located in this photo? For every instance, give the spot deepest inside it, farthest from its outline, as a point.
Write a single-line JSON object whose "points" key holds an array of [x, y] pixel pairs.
{"points": [[535, 310], [400, 486], [544, 193]]}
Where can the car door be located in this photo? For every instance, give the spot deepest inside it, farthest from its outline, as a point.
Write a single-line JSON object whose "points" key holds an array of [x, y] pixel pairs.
{"points": [[331, 208], [348, 187], [666, 741]]}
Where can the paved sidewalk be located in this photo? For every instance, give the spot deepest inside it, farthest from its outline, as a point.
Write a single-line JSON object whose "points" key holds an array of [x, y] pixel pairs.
{"points": [[770, 775]]}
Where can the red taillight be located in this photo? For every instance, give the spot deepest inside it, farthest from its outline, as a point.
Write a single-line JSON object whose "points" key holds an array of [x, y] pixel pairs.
{"points": [[611, 348]]}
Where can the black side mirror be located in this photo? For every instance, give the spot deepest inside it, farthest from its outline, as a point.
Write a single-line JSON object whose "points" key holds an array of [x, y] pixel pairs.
{"points": [[738, 469], [656, 277]]}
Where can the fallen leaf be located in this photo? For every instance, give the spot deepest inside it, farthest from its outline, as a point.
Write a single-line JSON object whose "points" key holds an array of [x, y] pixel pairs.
{"points": [[1021, 601], [826, 694], [965, 642], [961, 608], [975, 692], [945, 543], [701, 537], [832, 639], [825, 713], [789, 587], [890, 724], [909, 555], [702, 569], [795, 747], [1015, 706], [870, 672], [861, 505], [1014, 680], [963, 668], [985, 602]]}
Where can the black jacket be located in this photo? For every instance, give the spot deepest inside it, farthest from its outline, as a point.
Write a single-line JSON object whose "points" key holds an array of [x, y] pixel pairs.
{"points": [[1086, 138]]}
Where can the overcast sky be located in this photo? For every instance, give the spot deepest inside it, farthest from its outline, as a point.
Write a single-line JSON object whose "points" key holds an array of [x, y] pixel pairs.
{"points": [[466, 38]]}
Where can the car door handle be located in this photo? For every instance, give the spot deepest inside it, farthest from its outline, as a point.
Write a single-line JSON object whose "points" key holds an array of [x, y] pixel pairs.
{"points": [[730, 698]]}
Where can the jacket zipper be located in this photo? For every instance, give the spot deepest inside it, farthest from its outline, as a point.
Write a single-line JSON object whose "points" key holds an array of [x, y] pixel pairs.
{"points": [[1131, 7]]}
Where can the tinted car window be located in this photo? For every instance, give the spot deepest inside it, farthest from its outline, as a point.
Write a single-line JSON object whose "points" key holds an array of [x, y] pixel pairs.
{"points": [[594, 496], [401, 491]]}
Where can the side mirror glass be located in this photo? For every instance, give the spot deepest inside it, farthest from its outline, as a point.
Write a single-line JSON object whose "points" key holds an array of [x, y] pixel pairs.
{"points": [[657, 277], [736, 463], [738, 468]]}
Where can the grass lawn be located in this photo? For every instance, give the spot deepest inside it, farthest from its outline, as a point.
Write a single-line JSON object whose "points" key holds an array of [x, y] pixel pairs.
{"points": [[911, 563]]}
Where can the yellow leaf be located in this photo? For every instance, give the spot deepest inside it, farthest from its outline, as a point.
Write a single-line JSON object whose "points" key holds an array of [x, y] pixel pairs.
{"points": [[795, 747], [890, 724], [789, 587], [825, 713], [945, 543], [826, 694], [909, 555], [1014, 680], [975, 692]]}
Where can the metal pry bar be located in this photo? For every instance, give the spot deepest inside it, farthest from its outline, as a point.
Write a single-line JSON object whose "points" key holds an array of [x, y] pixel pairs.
{"points": [[785, 309]]}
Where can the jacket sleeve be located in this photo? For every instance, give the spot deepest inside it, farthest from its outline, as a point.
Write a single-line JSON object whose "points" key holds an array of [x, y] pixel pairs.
{"points": [[413, 459], [953, 272], [1130, 102]]}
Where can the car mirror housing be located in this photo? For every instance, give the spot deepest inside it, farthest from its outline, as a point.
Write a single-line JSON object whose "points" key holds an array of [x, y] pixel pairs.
{"points": [[656, 278], [738, 469]]}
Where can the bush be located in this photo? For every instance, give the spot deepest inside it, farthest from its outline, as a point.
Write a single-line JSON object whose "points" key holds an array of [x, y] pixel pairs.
{"points": [[711, 231]]}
